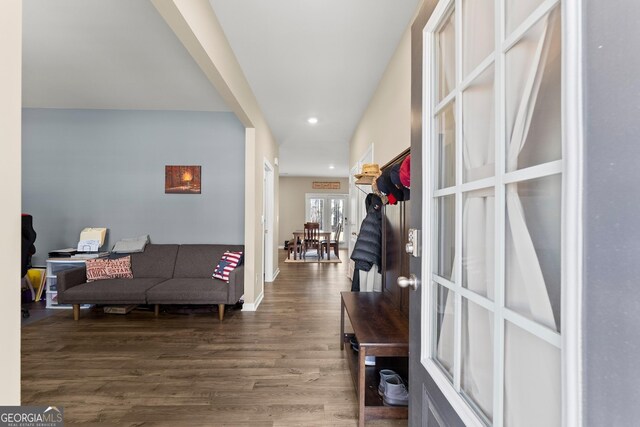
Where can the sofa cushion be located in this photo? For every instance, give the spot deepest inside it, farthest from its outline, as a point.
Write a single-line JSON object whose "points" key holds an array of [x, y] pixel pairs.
{"points": [[189, 291], [111, 291], [100, 269], [200, 260], [155, 261]]}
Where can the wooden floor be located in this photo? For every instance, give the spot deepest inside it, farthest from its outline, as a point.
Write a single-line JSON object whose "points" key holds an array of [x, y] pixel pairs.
{"points": [[279, 366]]}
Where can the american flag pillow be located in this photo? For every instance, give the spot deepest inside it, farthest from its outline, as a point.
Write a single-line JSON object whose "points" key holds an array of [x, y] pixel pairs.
{"points": [[228, 263]]}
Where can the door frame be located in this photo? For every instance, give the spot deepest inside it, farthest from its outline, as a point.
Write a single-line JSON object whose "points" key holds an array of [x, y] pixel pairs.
{"points": [[268, 273], [356, 198]]}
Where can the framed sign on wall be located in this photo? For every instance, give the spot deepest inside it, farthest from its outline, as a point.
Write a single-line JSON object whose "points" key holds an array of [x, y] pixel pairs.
{"points": [[326, 185]]}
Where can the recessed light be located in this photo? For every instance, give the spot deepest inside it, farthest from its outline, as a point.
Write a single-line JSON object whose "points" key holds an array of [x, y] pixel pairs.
{"points": [[312, 120], [331, 167]]}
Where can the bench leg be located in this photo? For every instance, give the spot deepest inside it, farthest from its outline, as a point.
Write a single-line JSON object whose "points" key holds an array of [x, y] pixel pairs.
{"points": [[221, 311], [156, 310], [76, 311]]}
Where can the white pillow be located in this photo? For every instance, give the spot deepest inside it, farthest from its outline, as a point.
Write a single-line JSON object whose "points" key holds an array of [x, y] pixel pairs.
{"points": [[131, 245]]}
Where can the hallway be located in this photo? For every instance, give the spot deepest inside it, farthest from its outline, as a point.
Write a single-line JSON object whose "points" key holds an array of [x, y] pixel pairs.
{"points": [[278, 366]]}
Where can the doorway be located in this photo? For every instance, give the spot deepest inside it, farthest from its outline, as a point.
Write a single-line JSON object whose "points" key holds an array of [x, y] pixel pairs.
{"points": [[328, 210], [268, 273], [357, 198]]}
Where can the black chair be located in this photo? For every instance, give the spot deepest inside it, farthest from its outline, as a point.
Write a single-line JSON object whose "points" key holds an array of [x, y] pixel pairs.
{"points": [[28, 249], [297, 247]]}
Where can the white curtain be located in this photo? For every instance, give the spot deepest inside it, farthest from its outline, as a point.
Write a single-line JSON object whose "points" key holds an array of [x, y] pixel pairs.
{"points": [[532, 367]]}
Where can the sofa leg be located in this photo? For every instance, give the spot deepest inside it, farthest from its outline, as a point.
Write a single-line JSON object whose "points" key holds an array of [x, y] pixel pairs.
{"points": [[221, 312], [76, 311], [156, 310]]}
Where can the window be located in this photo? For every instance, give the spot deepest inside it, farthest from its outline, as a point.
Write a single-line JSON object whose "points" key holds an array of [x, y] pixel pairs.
{"points": [[326, 209], [493, 143]]}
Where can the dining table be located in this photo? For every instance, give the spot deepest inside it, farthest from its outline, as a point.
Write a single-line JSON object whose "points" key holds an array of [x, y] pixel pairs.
{"points": [[299, 235]]}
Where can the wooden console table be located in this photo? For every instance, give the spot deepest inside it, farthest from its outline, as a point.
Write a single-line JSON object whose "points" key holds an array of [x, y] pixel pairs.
{"points": [[382, 331]]}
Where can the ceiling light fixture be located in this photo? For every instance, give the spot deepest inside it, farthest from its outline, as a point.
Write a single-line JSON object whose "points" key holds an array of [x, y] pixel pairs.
{"points": [[331, 167], [312, 120]]}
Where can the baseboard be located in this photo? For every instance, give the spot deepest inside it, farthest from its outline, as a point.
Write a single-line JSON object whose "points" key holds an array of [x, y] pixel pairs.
{"points": [[273, 276], [254, 306]]}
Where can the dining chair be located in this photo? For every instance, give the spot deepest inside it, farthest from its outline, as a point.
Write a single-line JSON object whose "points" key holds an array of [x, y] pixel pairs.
{"points": [[297, 248], [311, 238], [328, 244]]}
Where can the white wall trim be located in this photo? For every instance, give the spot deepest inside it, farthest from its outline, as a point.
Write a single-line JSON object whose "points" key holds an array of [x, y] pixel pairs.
{"points": [[254, 306], [272, 277], [572, 239]]}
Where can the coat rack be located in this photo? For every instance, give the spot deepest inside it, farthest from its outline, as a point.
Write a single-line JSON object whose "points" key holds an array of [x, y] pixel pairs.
{"points": [[397, 159]]}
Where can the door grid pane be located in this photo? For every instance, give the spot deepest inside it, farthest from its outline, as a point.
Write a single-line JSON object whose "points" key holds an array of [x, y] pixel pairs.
{"points": [[478, 39], [478, 128], [446, 42], [446, 147], [518, 11], [316, 211], [533, 261], [477, 356], [533, 103], [532, 380], [478, 248], [445, 251], [445, 317]]}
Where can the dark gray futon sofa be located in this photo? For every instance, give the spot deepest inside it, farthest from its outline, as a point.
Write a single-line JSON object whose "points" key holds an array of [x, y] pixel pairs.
{"points": [[162, 274]]}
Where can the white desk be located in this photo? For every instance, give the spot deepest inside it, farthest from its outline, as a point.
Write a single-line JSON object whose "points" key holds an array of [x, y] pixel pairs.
{"points": [[54, 266]]}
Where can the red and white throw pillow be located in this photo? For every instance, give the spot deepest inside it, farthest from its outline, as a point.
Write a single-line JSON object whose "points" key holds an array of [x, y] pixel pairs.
{"points": [[228, 263], [101, 269]]}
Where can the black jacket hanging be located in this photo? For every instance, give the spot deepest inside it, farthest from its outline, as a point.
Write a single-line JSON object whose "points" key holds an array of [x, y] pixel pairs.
{"points": [[368, 248]]}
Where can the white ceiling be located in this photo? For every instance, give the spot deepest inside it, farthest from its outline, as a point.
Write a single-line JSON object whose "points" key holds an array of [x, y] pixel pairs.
{"points": [[321, 58], [302, 58]]}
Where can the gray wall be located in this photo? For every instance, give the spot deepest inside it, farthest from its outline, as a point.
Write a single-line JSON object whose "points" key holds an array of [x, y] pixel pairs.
{"points": [[612, 213], [105, 168]]}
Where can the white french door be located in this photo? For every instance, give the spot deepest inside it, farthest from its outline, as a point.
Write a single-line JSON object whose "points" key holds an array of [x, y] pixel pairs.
{"points": [[328, 210], [493, 197]]}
